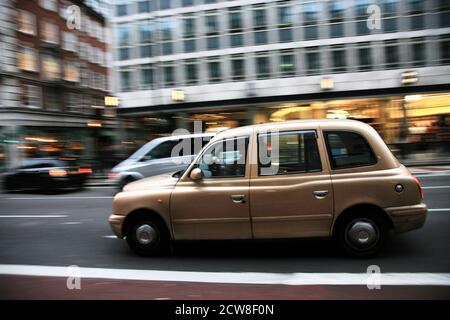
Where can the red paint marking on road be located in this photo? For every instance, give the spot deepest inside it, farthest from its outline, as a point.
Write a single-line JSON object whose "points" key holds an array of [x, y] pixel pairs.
{"points": [[33, 287]]}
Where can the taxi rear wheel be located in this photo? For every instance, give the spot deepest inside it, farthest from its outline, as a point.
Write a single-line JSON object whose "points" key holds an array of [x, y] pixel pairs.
{"points": [[362, 235], [148, 237]]}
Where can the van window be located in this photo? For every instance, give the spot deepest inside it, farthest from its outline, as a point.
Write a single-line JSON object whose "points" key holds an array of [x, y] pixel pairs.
{"points": [[297, 152], [348, 149], [225, 159], [161, 151]]}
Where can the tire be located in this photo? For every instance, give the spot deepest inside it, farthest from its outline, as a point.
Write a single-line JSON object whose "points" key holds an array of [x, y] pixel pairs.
{"points": [[362, 235], [153, 240]]}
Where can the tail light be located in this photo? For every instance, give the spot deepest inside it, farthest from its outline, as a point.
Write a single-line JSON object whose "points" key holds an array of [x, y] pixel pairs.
{"points": [[58, 173], [84, 170], [419, 187]]}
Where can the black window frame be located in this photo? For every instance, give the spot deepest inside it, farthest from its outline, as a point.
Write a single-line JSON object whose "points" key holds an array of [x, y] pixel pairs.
{"points": [[290, 132], [330, 156]]}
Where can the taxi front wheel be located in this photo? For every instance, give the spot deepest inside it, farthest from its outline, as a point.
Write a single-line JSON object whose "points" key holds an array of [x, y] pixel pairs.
{"points": [[148, 237]]}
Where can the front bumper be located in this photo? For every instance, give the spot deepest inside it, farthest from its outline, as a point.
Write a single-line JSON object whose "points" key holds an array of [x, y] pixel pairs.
{"points": [[408, 217], [116, 223]]}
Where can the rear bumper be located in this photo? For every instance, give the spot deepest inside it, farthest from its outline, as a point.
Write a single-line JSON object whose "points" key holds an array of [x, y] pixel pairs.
{"points": [[408, 217], [116, 222]]}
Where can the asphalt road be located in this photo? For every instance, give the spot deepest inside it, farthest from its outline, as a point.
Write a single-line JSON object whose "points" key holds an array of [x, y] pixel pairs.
{"points": [[72, 229]]}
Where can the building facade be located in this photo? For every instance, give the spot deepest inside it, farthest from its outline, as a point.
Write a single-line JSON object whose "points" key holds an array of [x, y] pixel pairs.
{"points": [[53, 80], [230, 63]]}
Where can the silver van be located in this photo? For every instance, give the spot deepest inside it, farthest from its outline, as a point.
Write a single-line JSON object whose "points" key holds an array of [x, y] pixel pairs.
{"points": [[155, 157]]}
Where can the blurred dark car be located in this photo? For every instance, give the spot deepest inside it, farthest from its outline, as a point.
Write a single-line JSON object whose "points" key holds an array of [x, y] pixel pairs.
{"points": [[47, 174]]}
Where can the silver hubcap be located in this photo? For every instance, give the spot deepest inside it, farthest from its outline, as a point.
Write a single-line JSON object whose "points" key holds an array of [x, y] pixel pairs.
{"points": [[146, 234], [362, 234]]}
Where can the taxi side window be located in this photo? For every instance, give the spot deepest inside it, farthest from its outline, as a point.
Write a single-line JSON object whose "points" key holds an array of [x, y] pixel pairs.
{"points": [[225, 159], [348, 149], [297, 153]]}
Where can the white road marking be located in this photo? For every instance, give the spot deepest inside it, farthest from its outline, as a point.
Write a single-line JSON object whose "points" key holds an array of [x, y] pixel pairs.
{"points": [[436, 187], [71, 222], [33, 215], [440, 209], [417, 279], [59, 198], [432, 175], [110, 237]]}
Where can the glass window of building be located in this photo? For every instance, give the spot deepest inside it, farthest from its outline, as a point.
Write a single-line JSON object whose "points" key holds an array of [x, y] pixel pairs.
{"points": [[418, 52], [262, 66], [123, 41], [32, 96], [27, 58], [214, 71], [145, 29], [191, 72], [27, 22], [125, 80], [260, 25], [168, 75], [50, 67], [417, 14], [391, 54], [235, 27], [310, 20], [211, 23], [445, 49], [144, 6], [187, 3], [70, 41], [389, 12], [71, 72], [236, 40], [364, 56], [338, 59], [122, 7], [73, 102], [50, 32], [312, 58], [52, 101], [237, 67], [212, 43], [336, 14], [212, 30], [164, 4], [284, 12], [189, 33], [361, 16], [444, 13], [235, 19], [49, 4], [167, 48], [147, 81], [166, 26], [188, 26], [287, 64], [189, 45]]}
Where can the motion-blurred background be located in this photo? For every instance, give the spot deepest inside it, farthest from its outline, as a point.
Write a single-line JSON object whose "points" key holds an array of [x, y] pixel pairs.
{"points": [[94, 80]]}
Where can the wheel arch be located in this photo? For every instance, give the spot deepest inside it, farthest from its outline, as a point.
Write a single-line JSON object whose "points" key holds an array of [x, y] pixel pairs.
{"points": [[363, 208], [144, 213]]}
